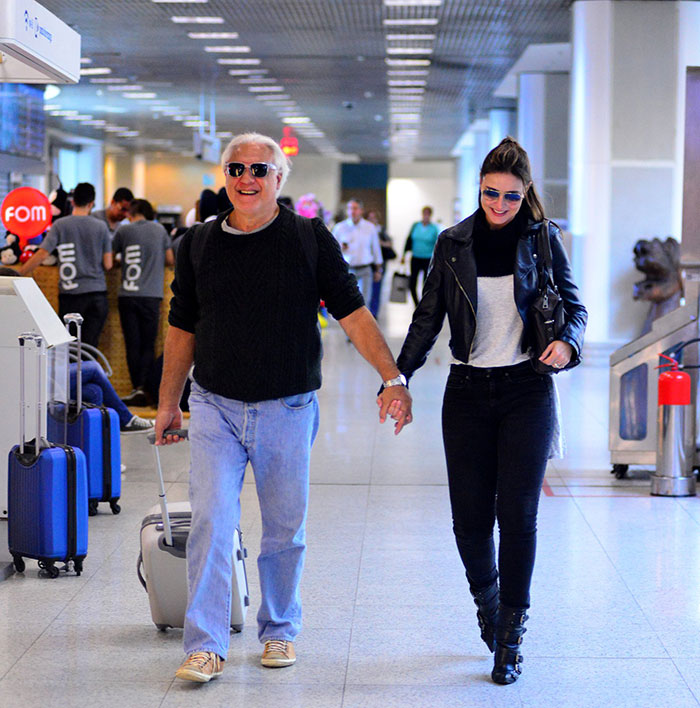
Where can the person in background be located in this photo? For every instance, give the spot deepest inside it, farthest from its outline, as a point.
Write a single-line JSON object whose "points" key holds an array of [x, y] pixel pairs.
{"points": [[360, 245], [421, 242], [388, 254], [499, 416], [287, 202], [222, 201], [244, 306], [144, 248], [84, 250], [98, 390], [117, 211], [208, 206]]}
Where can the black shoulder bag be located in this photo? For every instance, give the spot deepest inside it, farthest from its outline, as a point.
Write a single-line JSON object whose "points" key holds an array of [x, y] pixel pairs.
{"points": [[546, 313]]}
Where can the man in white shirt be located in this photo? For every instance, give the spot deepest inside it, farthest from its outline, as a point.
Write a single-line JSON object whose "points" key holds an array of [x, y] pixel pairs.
{"points": [[359, 241]]}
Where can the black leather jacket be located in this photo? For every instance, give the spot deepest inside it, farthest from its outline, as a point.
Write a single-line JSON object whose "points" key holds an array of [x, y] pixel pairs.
{"points": [[450, 288]]}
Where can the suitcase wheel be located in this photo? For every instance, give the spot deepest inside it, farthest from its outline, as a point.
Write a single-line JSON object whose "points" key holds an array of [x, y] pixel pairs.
{"points": [[48, 569], [237, 628], [92, 507], [78, 566], [114, 506], [162, 627], [18, 563]]}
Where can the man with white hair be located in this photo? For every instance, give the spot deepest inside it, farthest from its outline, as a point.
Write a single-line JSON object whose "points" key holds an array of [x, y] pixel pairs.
{"points": [[246, 294]]}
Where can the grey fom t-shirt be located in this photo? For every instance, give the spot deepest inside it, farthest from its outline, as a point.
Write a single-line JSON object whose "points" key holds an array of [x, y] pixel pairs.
{"points": [[142, 245], [81, 242], [101, 214]]}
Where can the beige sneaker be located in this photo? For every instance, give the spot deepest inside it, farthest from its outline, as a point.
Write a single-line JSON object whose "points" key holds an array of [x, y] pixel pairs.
{"points": [[278, 653], [201, 666]]}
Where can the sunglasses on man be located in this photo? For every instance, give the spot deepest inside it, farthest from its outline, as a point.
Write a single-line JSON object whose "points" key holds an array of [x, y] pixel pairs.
{"points": [[493, 194], [256, 169]]}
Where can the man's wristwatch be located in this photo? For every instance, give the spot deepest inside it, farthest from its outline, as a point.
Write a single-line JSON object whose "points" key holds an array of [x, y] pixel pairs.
{"points": [[399, 380]]}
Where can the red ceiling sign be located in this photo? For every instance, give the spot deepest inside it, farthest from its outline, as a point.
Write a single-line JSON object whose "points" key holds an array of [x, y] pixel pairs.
{"points": [[289, 144], [26, 212]]}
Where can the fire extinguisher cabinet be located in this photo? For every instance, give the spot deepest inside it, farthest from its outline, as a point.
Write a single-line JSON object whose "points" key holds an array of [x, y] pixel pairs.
{"points": [[674, 476]]}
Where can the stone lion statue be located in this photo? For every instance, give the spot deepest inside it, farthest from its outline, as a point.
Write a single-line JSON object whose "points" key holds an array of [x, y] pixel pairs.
{"points": [[660, 262]]}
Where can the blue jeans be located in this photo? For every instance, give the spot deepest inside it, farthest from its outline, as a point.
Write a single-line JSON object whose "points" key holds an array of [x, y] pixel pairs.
{"points": [[275, 437], [365, 278], [98, 389], [376, 295]]}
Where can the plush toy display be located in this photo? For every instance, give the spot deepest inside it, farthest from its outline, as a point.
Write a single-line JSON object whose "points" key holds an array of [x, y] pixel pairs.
{"points": [[10, 252]]}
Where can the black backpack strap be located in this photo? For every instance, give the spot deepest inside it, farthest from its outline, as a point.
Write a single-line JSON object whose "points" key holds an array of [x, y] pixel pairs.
{"points": [[201, 236], [307, 235]]}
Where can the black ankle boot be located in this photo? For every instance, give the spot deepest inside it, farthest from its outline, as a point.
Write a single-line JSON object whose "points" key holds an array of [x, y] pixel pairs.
{"points": [[510, 627], [486, 602]]}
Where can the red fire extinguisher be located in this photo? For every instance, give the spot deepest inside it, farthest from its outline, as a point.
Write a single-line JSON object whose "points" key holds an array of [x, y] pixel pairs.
{"points": [[674, 385], [675, 442]]}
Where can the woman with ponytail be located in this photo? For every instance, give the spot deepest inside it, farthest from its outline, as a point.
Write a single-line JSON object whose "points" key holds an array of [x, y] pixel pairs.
{"points": [[500, 417]]}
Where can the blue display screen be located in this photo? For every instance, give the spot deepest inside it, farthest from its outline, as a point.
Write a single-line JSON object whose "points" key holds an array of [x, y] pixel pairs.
{"points": [[22, 122]]}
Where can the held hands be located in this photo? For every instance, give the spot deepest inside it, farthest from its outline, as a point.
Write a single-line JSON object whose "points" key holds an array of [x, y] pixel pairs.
{"points": [[396, 402], [167, 419], [558, 354]]}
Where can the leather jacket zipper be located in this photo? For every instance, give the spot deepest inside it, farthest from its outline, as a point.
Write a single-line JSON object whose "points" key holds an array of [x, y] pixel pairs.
{"points": [[464, 292]]}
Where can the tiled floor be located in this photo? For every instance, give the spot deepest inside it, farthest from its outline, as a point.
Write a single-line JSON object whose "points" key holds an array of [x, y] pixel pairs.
{"points": [[388, 620]]}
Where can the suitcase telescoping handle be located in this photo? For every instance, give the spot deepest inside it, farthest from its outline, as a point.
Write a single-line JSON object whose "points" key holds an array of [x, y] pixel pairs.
{"points": [[77, 319], [167, 530], [39, 349]]}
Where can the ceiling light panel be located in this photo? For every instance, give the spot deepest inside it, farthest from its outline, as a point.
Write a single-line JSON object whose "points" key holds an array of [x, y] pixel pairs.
{"points": [[228, 49], [238, 62], [412, 3], [410, 37], [197, 20], [407, 62], [248, 72], [409, 50], [410, 22], [212, 35]]}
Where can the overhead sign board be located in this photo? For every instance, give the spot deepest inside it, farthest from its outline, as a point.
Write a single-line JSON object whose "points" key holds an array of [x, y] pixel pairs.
{"points": [[207, 147], [35, 46]]}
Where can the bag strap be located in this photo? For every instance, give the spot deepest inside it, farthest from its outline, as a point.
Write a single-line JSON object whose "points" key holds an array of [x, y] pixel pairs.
{"points": [[309, 244], [200, 237], [544, 248]]}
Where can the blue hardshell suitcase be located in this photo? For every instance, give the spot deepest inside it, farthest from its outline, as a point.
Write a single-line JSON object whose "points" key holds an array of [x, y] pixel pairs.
{"points": [[95, 430], [47, 495]]}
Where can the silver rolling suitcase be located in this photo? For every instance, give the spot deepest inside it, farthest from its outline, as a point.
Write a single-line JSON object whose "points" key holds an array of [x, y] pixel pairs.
{"points": [[164, 532]]}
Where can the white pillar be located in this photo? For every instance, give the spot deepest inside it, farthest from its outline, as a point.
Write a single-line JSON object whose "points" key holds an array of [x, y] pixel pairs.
{"points": [[623, 150], [589, 175], [470, 152], [138, 180], [501, 124]]}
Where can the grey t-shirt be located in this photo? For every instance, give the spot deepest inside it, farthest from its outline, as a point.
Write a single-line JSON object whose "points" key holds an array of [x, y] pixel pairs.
{"points": [[101, 214], [143, 245], [81, 242]]}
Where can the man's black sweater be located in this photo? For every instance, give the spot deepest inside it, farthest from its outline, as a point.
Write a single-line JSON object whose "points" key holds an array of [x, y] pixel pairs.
{"points": [[251, 301]]}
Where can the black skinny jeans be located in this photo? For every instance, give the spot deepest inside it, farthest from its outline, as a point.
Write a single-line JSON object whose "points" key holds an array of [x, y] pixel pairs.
{"points": [[93, 307], [417, 265], [497, 428], [139, 317]]}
